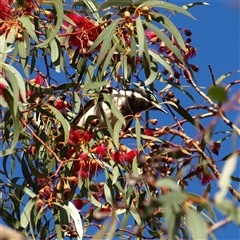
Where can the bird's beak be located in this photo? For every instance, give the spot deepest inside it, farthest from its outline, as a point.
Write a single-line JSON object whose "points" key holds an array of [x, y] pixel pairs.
{"points": [[159, 107]]}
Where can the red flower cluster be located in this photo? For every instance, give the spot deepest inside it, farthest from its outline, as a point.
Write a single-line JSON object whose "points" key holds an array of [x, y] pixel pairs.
{"points": [[121, 157], [149, 132], [78, 203], [61, 105], [190, 52], [151, 36], [77, 136], [206, 179], [101, 151], [87, 166], [86, 32], [6, 10]]}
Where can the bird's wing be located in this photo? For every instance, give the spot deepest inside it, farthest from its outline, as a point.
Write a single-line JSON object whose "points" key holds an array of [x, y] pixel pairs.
{"points": [[86, 107]]}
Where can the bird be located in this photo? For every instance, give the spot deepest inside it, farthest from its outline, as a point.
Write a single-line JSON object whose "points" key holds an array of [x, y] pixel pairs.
{"points": [[128, 101]]}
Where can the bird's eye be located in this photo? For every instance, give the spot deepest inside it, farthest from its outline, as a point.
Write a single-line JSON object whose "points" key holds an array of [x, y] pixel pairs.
{"points": [[151, 96]]}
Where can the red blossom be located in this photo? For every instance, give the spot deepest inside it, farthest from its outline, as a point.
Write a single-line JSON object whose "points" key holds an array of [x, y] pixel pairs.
{"points": [[78, 203], [206, 179], [2, 86], [84, 156], [101, 150], [75, 136], [131, 155], [47, 192], [88, 136], [86, 32], [83, 173], [190, 53], [32, 150], [106, 209], [149, 132], [61, 105], [41, 181], [149, 34], [70, 152], [6, 10], [118, 157], [28, 94], [39, 205], [39, 80], [95, 167]]}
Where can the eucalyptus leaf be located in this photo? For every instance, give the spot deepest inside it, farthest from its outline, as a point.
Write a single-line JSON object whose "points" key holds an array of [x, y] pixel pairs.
{"points": [[29, 27]]}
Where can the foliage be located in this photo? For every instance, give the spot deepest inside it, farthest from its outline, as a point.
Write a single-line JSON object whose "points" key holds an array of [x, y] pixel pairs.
{"points": [[59, 180]]}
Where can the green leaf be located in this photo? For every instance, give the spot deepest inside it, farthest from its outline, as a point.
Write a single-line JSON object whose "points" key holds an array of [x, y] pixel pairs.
{"points": [[109, 33], [112, 3], [197, 225], [73, 212], [11, 36], [172, 213], [141, 36], [153, 73], [92, 6], [29, 27], [117, 128], [26, 213], [94, 85], [108, 194], [114, 109], [138, 134], [202, 204], [165, 5], [22, 48], [26, 190], [218, 93], [220, 79], [66, 86], [116, 174], [160, 60], [16, 123], [59, 9], [55, 48], [135, 214], [4, 49], [223, 183], [26, 173], [165, 39], [172, 198], [64, 122], [16, 80], [109, 57], [169, 183]]}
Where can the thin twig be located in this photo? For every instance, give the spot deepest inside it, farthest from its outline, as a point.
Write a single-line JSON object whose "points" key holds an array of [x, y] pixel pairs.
{"points": [[212, 74], [218, 224], [40, 140]]}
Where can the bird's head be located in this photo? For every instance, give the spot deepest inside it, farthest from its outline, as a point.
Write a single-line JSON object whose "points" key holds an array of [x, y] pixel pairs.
{"points": [[144, 99]]}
